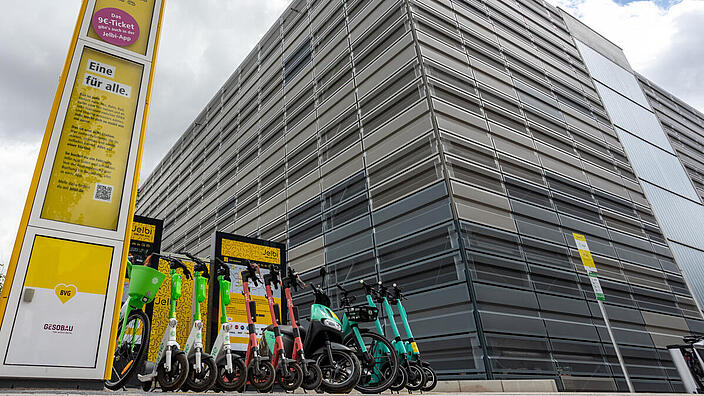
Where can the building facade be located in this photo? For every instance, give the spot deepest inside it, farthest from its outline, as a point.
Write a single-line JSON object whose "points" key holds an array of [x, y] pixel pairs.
{"points": [[452, 147]]}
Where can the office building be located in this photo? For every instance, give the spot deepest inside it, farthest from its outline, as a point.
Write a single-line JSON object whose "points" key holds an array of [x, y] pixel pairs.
{"points": [[453, 147]]}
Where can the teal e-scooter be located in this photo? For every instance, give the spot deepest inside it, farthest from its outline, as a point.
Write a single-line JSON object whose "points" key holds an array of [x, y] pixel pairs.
{"points": [[412, 351], [410, 375]]}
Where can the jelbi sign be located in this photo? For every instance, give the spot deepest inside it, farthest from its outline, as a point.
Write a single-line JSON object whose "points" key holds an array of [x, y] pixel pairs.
{"points": [[61, 298]]}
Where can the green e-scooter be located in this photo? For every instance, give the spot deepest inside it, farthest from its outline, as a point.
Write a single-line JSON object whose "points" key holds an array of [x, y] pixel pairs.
{"points": [[413, 353], [232, 372], [202, 370], [171, 367]]}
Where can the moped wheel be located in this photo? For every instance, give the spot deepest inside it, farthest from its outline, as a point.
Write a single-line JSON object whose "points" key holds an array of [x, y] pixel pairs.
{"points": [[379, 363], [416, 377], [129, 355], [400, 380], [201, 382], [234, 381], [431, 379], [174, 379], [313, 377], [291, 379], [263, 378], [342, 374]]}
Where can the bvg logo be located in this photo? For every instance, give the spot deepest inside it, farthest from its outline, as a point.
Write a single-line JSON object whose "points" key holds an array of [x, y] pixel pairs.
{"points": [[143, 232], [65, 292]]}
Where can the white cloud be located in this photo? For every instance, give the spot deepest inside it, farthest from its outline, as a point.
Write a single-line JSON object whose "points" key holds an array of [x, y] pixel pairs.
{"points": [[664, 44], [18, 160]]}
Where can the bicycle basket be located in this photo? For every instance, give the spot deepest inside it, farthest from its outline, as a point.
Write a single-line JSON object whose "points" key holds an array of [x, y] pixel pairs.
{"points": [[362, 314], [145, 282]]}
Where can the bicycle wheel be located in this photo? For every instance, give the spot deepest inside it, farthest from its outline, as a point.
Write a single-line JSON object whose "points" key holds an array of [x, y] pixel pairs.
{"points": [[128, 356], [379, 363]]}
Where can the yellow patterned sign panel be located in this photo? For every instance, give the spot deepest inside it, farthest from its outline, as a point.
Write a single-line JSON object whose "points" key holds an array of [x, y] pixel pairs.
{"points": [[249, 251]]}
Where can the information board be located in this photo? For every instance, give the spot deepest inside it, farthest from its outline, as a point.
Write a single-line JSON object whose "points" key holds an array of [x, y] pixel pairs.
{"points": [[62, 294]]}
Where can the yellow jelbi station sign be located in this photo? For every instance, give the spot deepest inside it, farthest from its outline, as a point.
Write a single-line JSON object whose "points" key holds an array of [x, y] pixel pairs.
{"points": [[61, 300]]}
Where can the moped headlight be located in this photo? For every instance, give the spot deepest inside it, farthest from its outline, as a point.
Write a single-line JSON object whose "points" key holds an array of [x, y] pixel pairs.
{"points": [[331, 323]]}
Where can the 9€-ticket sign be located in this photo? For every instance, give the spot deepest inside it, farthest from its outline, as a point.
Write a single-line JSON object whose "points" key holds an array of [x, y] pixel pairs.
{"points": [[59, 309]]}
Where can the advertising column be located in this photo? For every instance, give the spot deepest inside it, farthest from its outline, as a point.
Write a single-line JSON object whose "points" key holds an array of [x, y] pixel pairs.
{"points": [[64, 281]]}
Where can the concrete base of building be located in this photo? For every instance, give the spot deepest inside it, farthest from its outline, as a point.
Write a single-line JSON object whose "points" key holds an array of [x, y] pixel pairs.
{"points": [[497, 386]]}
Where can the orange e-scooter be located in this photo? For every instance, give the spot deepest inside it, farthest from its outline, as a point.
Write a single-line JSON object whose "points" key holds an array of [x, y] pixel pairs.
{"points": [[260, 371]]}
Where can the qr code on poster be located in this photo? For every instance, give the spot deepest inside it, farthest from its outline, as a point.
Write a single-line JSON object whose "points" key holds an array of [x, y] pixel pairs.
{"points": [[103, 192]]}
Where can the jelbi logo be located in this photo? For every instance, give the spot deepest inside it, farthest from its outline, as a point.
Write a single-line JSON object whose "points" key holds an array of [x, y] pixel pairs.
{"points": [[143, 232], [65, 292]]}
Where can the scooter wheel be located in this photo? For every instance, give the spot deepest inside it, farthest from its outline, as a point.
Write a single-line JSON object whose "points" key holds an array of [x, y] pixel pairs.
{"points": [[262, 378], [174, 379], [234, 381], [201, 382], [431, 379], [416, 377], [313, 377], [400, 381], [291, 379]]}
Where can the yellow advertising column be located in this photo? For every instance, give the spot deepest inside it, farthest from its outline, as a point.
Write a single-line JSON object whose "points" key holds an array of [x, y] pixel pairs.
{"points": [[60, 302]]}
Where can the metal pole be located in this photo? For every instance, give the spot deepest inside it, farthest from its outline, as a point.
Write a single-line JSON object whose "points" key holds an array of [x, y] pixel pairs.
{"points": [[613, 341]]}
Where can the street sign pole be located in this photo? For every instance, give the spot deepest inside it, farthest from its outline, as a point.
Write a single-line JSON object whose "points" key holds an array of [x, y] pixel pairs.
{"points": [[590, 267], [613, 341]]}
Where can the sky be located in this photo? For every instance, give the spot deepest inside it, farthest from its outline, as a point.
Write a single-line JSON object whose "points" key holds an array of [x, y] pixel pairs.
{"points": [[204, 41]]}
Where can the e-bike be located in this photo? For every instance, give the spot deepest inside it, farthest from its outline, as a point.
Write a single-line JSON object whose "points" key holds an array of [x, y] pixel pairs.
{"points": [[171, 368], [232, 372], [260, 371], [135, 327], [289, 374], [202, 370], [412, 351], [376, 354]]}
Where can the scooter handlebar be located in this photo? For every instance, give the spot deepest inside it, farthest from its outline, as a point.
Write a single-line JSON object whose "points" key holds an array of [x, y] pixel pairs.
{"points": [[251, 273], [175, 263], [293, 280]]}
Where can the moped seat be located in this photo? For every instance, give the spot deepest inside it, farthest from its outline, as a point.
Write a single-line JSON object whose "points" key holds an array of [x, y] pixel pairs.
{"points": [[288, 331]]}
